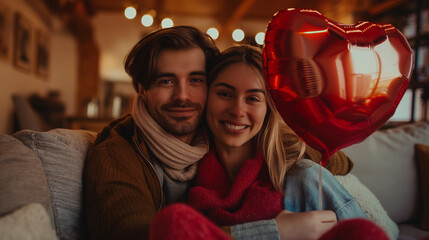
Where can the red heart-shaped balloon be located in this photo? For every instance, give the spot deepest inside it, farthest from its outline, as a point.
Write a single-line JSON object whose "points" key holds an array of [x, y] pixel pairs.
{"points": [[334, 84]]}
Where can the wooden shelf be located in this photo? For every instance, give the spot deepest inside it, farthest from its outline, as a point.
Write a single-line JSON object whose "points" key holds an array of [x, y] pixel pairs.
{"points": [[397, 13], [424, 40], [91, 124], [385, 6]]}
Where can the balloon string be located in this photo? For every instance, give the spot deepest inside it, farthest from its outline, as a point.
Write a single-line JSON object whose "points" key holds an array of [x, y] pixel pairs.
{"points": [[379, 74], [320, 187]]}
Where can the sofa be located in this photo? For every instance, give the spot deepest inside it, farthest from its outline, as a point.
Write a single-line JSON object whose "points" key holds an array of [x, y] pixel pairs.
{"points": [[394, 165], [41, 181]]}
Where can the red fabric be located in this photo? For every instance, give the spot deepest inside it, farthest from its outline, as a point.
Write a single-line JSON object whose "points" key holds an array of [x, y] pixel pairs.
{"points": [[250, 197], [355, 229], [179, 221]]}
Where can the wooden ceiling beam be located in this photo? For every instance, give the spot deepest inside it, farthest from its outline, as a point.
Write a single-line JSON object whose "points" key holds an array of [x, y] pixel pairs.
{"points": [[159, 8], [230, 19], [78, 21], [384, 6], [89, 7]]}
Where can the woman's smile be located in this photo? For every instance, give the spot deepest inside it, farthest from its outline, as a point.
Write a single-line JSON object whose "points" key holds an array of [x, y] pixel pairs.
{"points": [[234, 127]]}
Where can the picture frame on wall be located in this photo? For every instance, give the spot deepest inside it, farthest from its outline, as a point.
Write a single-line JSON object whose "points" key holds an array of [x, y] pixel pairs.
{"points": [[22, 43], [42, 53], [5, 25]]}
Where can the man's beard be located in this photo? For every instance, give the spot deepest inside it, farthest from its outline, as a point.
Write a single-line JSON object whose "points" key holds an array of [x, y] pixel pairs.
{"points": [[177, 126]]}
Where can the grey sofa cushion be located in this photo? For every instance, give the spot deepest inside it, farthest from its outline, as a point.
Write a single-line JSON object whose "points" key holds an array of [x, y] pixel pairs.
{"points": [[62, 153], [22, 179]]}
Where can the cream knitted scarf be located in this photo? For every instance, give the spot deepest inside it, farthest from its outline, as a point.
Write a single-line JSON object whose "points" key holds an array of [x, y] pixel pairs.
{"points": [[178, 159]]}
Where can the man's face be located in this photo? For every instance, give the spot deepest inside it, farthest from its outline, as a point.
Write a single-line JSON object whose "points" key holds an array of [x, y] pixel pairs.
{"points": [[177, 96]]}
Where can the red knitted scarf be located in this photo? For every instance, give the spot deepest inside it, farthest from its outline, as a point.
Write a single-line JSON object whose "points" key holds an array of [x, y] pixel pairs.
{"points": [[250, 197]]}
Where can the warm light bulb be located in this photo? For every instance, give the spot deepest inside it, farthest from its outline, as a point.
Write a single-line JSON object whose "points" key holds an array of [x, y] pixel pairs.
{"points": [[259, 38], [238, 35], [147, 20], [213, 33], [152, 13], [167, 23], [130, 12]]}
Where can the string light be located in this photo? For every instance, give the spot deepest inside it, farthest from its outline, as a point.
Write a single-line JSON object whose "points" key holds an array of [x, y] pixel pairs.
{"points": [[213, 33], [147, 20], [130, 12], [167, 23], [238, 35], [259, 38]]}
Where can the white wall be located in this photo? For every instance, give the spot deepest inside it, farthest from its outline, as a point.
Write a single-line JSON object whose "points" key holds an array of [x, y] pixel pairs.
{"points": [[115, 36], [64, 68], [62, 63], [403, 111]]}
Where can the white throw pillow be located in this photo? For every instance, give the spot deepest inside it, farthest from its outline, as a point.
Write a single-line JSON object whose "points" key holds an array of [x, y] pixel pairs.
{"points": [[29, 222], [385, 163], [369, 203]]}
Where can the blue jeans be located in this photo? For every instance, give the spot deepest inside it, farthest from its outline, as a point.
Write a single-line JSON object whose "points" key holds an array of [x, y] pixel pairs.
{"points": [[302, 192]]}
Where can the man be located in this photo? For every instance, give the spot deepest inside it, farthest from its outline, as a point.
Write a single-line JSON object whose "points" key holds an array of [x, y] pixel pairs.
{"points": [[144, 161]]}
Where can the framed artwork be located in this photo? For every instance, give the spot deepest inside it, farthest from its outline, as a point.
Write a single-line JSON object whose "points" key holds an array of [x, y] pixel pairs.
{"points": [[22, 55], [42, 53], [5, 25]]}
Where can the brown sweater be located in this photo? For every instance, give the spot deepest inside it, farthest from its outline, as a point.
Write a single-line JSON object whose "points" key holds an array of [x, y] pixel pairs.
{"points": [[122, 193]]}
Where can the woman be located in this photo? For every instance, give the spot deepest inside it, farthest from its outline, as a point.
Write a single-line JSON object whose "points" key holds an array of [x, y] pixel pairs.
{"points": [[243, 177]]}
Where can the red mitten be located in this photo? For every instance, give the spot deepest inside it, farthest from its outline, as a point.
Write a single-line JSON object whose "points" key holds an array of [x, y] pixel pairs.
{"points": [[355, 229], [179, 221]]}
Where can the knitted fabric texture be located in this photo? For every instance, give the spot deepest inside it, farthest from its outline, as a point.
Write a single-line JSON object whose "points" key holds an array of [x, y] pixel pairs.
{"points": [[250, 197], [181, 222], [178, 159]]}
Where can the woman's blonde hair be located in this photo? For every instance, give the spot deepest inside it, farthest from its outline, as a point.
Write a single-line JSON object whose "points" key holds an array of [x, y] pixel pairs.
{"points": [[280, 146]]}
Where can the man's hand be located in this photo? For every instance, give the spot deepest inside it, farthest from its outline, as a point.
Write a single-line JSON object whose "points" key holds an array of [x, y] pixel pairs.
{"points": [[306, 225]]}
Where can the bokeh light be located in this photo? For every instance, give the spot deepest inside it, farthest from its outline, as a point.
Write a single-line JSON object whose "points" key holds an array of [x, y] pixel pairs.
{"points": [[259, 38], [238, 35], [130, 12], [167, 23], [213, 33], [147, 20]]}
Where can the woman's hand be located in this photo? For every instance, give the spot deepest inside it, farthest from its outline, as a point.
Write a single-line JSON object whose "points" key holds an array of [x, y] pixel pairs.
{"points": [[306, 225]]}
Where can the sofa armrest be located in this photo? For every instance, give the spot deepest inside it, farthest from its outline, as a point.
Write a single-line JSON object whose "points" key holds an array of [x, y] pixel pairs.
{"points": [[62, 153], [22, 178]]}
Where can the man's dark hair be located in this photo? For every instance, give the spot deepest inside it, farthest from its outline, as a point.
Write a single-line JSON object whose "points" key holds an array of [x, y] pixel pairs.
{"points": [[141, 62]]}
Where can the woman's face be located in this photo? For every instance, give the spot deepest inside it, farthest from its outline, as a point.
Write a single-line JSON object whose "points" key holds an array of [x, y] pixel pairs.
{"points": [[236, 106]]}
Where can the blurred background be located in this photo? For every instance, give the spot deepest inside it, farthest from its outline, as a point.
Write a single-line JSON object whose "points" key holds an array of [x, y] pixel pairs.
{"points": [[61, 61]]}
